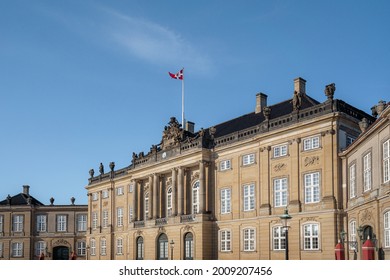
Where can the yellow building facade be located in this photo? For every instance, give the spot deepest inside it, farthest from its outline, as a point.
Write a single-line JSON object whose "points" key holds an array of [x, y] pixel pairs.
{"points": [[218, 193]]}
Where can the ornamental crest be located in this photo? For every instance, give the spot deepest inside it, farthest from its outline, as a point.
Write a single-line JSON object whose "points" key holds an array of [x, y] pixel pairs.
{"points": [[172, 134]]}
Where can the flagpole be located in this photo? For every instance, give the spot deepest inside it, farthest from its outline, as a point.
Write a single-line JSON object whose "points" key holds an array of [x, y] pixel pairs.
{"points": [[182, 102]]}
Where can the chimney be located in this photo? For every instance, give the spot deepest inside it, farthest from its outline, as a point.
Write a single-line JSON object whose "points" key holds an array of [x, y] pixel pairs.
{"points": [[190, 127], [261, 102], [26, 189], [300, 86]]}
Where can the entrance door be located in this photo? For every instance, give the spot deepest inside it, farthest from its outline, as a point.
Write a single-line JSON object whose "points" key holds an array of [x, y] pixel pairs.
{"points": [[367, 233], [61, 253]]}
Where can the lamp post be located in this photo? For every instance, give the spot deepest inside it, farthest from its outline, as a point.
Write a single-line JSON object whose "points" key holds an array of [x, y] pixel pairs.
{"points": [[172, 246], [285, 217]]}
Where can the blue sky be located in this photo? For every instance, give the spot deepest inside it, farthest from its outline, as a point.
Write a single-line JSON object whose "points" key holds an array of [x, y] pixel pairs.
{"points": [[84, 82]]}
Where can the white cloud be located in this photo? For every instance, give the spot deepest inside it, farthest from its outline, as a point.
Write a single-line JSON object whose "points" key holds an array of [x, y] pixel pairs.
{"points": [[155, 44]]}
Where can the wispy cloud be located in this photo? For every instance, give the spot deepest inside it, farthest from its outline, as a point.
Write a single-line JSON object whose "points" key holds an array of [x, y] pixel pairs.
{"points": [[155, 43]]}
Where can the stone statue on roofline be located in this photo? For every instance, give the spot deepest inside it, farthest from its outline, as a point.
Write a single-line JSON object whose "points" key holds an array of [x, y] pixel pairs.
{"points": [[296, 101]]}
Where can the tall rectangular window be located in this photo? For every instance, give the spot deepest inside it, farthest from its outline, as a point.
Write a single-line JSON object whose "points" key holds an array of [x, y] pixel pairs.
{"points": [[41, 223], [387, 229], [17, 223], [1, 250], [280, 151], [169, 202], [352, 235], [367, 172], [386, 161], [311, 237], [119, 246], [146, 206], [93, 246], [105, 218], [17, 249], [249, 197], [130, 214], [119, 217], [280, 192], [119, 191], [61, 222], [81, 248], [103, 247], [279, 238], [248, 159], [249, 239], [352, 181], [225, 201], [1, 223], [312, 187], [94, 220], [311, 143], [40, 247], [81, 222], [225, 238]]}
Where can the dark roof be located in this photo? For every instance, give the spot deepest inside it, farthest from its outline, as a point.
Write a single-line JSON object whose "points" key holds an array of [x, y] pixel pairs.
{"points": [[21, 199], [253, 119]]}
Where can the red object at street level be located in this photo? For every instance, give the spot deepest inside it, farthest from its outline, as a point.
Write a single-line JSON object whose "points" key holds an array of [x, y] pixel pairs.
{"points": [[339, 251], [368, 250]]}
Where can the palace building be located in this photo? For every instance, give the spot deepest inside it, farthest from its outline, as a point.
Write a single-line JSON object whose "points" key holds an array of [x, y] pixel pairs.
{"points": [[219, 192], [30, 230], [366, 187]]}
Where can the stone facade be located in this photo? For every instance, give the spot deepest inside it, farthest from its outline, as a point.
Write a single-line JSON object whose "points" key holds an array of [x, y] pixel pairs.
{"points": [[218, 193], [366, 188], [30, 230]]}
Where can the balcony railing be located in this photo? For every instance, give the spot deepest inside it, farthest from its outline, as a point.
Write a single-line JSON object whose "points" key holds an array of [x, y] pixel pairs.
{"points": [[161, 221], [187, 218], [138, 224]]}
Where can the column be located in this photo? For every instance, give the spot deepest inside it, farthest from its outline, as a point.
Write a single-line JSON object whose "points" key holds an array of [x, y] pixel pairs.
{"points": [[174, 196], [135, 200], [151, 195], [180, 191], [202, 195], [155, 196], [162, 197], [141, 201]]}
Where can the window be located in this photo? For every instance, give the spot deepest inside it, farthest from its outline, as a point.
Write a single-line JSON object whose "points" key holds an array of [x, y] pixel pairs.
{"points": [[312, 187], [387, 229], [188, 246], [352, 235], [119, 217], [279, 238], [94, 220], [195, 198], [81, 248], [386, 161], [146, 206], [248, 159], [41, 223], [225, 201], [280, 192], [40, 247], [140, 248], [131, 188], [162, 247], [81, 222], [119, 191], [280, 151], [103, 247], [1, 250], [61, 222], [225, 237], [311, 237], [225, 165], [367, 172], [95, 196], [311, 143], [105, 194], [169, 202], [17, 223], [92, 243], [249, 239], [349, 140], [119, 246], [249, 197], [105, 218], [352, 181], [130, 214], [1, 223], [17, 249]]}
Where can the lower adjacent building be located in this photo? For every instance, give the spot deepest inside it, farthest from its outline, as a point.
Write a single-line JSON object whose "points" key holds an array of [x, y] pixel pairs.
{"points": [[30, 230], [220, 192], [366, 188]]}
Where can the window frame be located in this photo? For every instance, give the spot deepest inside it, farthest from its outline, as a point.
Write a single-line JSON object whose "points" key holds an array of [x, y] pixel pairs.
{"points": [[281, 193], [386, 161], [249, 239], [120, 191], [105, 218], [352, 235], [95, 219], [279, 239], [312, 238], [386, 228], [119, 216], [312, 189], [92, 243], [225, 165], [278, 151], [41, 223], [248, 159], [1, 223], [119, 246], [352, 180], [17, 223], [310, 144], [61, 223], [17, 249], [40, 247], [81, 248], [225, 200], [249, 199], [169, 202], [103, 246], [225, 238], [367, 172], [195, 197], [82, 221]]}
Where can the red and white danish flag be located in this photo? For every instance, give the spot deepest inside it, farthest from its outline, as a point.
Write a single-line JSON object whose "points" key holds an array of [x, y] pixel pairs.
{"points": [[179, 75]]}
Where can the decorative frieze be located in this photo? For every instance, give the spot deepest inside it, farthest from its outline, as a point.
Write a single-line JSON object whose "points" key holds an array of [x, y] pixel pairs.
{"points": [[280, 167], [313, 160]]}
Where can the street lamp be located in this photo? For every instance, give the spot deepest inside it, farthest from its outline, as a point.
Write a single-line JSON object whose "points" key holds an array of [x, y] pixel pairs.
{"points": [[285, 217], [172, 246]]}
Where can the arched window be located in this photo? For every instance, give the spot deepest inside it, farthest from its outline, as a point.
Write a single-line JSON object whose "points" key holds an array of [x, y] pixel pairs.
{"points": [[188, 246], [387, 229], [169, 202], [352, 235], [140, 248], [195, 198], [162, 247]]}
